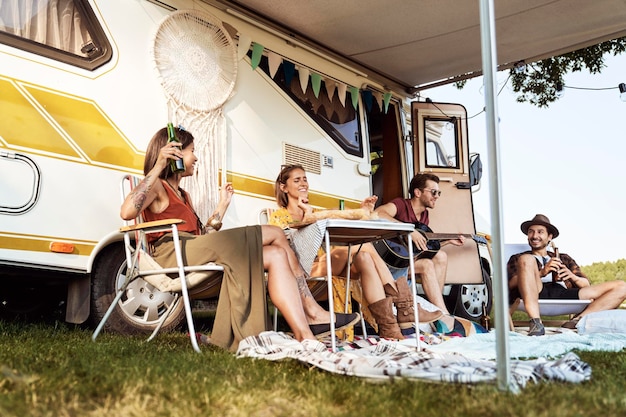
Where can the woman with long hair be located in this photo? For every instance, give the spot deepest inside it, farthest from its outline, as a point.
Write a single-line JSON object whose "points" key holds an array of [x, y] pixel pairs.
{"points": [[244, 252]]}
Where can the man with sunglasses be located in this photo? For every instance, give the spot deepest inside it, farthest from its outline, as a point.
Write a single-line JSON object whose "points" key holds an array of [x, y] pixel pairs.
{"points": [[424, 192], [531, 277]]}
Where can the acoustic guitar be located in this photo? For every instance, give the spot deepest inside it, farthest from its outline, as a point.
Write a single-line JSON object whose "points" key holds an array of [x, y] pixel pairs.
{"points": [[395, 252]]}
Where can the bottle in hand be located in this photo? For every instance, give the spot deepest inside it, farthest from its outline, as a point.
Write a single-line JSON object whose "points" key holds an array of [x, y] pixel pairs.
{"points": [[177, 165], [555, 274]]}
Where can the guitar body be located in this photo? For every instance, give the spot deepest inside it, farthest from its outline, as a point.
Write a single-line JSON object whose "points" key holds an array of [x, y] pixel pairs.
{"points": [[395, 252]]}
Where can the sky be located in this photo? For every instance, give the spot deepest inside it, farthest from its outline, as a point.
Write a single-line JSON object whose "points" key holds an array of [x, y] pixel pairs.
{"points": [[566, 161]]}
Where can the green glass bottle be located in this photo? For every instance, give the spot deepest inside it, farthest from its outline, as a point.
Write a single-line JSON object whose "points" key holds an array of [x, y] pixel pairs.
{"points": [[177, 165]]}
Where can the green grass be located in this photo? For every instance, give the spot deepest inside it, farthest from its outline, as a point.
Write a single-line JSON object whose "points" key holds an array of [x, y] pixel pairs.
{"points": [[54, 369]]}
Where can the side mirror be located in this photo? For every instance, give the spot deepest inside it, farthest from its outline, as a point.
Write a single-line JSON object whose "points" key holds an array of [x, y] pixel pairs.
{"points": [[476, 169]]}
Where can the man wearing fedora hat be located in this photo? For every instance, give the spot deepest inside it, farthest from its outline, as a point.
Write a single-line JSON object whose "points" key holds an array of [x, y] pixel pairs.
{"points": [[530, 277]]}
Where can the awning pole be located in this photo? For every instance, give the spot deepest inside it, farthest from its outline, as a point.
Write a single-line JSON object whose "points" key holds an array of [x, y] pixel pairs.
{"points": [[489, 58]]}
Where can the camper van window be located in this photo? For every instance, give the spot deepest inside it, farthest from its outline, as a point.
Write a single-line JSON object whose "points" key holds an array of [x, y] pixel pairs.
{"points": [[63, 30], [341, 122], [441, 136]]}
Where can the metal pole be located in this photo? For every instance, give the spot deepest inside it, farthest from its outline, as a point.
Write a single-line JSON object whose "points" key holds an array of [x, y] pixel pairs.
{"points": [[489, 58]]}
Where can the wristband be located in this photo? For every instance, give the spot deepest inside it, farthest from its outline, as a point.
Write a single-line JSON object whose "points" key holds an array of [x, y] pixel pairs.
{"points": [[214, 223]]}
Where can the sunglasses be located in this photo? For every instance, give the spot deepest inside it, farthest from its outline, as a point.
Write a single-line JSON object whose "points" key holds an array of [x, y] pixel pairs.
{"points": [[435, 193]]}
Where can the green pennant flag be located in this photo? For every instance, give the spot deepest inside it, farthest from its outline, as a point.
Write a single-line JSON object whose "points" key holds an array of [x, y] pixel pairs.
{"points": [[316, 84], [386, 98], [257, 53], [354, 93]]}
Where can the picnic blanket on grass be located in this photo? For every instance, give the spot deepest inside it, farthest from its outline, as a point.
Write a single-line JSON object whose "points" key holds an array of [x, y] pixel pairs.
{"points": [[552, 345], [382, 359]]}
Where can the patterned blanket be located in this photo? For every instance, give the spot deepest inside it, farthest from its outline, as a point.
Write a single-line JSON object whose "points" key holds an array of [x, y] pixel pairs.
{"points": [[382, 359], [554, 344]]}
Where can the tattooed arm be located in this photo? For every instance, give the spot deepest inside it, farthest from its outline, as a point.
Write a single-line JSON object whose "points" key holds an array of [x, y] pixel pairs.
{"points": [[149, 192]]}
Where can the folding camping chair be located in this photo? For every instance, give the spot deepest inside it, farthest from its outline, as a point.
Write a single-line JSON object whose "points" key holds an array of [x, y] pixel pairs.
{"points": [[546, 307], [553, 308], [318, 285], [140, 265]]}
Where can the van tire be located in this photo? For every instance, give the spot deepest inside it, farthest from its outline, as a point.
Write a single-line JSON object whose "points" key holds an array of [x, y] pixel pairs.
{"points": [[139, 309], [466, 300]]}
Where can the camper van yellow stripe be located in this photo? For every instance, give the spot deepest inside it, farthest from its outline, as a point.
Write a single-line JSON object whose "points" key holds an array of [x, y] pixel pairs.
{"points": [[62, 126], [69, 127], [262, 188], [34, 243]]}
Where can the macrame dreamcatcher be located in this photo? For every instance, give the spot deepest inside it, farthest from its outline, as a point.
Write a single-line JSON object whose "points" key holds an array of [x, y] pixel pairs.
{"points": [[197, 64]]}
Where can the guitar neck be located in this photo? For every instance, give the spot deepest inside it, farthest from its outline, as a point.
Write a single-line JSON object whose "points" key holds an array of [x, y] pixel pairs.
{"points": [[451, 236]]}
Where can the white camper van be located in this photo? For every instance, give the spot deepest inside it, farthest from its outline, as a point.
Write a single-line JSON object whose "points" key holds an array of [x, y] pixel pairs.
{"points": [[84, 84]]}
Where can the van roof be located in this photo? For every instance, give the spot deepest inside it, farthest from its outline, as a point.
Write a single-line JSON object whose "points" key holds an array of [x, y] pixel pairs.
{"points": [[425, 43]]}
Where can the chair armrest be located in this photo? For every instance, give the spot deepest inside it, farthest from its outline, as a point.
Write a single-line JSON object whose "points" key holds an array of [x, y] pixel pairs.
{"points": [[151, 225]]}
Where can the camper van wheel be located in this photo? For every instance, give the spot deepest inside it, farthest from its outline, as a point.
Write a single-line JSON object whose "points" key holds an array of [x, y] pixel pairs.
{"points": [[467, 299], [139, 308]]}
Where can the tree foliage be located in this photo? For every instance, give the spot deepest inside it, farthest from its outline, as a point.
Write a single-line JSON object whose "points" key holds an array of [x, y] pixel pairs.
{"points": [[605, 271], [540, 83]]}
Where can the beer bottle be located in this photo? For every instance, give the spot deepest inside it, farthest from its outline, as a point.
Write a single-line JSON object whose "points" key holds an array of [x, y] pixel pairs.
{"points": [[555, 274], [177, 165], [485, 319]]}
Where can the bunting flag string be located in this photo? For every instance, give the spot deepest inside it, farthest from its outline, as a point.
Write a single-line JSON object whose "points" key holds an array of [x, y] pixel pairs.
{"points": [[368, 99], [316, 84], [330, 88], [289, 68], [257, 53], [244, 46], [354, 93], [386, 99], [305, 74], [341, 92], [273, 60]]}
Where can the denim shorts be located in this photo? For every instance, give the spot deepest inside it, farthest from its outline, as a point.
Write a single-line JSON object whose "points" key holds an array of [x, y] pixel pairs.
{"points": [[399, 272]]}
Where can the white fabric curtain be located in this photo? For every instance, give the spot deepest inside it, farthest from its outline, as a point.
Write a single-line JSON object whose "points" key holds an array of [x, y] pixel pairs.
{"points": [[55, 23]]}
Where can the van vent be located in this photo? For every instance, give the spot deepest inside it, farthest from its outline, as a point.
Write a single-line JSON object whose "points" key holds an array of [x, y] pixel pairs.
{"points": [[310, 160]]}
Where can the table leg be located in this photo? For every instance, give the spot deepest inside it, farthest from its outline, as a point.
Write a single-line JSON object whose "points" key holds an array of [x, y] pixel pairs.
{"points": [[414, 290], [329, 284]]}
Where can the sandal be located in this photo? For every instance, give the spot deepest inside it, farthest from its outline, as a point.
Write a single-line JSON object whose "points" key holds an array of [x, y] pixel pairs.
{"points": [[571, 324], [341, 321]]}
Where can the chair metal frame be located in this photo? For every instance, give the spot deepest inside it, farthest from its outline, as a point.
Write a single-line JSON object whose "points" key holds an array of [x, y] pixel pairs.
{"points": [[135, 246], [263, 218], [550, 307]]}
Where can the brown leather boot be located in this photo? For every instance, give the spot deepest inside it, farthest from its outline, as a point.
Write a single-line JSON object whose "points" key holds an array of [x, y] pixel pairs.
{"points": [[382, 310], [403, 299]]}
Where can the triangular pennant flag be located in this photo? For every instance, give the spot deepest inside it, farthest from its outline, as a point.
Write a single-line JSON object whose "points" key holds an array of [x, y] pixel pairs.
{"points": [[330, 89], [368, 99], [244, 46], [316, 83], [273, 60], [289, 68], [354, 93], [341, 93], [386, 99], [257, 53], [304, 78], [379, 99]]}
